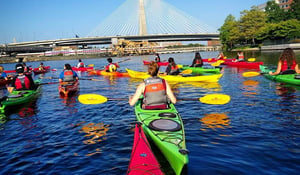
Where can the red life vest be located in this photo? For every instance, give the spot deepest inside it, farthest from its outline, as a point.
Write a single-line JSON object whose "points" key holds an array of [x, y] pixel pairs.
{"points": [[68, 75], [284, 66], [155, 95], [81, 64], [22, 82]]}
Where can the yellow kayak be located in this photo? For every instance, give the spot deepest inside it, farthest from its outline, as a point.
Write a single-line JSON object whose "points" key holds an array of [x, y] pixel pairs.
{"points": [[177, 78]]}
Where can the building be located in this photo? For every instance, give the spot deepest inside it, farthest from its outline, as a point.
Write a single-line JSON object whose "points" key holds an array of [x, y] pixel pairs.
{"points": [[284, 4]]}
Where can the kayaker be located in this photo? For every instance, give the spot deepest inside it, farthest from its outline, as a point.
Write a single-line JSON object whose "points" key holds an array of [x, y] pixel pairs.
{"points": [[157, 58], [111, 67], [172, 68], [41, 66], [80, 64], [3, 75], [221, 56], [68, 74], [197, 62], [26, 68], [240, 56], [287, 63], [157, 92], [21, 81]]}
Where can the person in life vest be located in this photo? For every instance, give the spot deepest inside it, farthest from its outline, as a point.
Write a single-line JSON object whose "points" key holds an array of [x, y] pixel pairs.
{"points": [[26, 68], [197, 61], [21, 81], [240, 56], [111, 67], [68, 75], [41, 66], [80, 64], [157, 58], [172, 68], [221, 56], [287, 63], [157, 92], [3, 75]]}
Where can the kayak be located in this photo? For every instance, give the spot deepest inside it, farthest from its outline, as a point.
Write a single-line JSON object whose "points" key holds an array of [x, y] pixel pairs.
{"points": [[165, 63], [142, 159], [19, 97], [104, 73], [201, 70], [177, 78], [211, 60], [38, 71], [165, 128], [244, 64], [82, 69], [4, 82], [286, 78], [67, 89]]}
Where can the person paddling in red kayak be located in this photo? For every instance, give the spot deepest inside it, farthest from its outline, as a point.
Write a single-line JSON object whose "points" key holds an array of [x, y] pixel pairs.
{"points": [[157, 58], [21, 81], [111, 67], [80, 64], [157, 92], [197, 61], [68, 75], [287, 63]]}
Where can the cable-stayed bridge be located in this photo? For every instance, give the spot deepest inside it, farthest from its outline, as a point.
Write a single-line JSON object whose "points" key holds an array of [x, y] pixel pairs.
{"points": [[136, 20]]}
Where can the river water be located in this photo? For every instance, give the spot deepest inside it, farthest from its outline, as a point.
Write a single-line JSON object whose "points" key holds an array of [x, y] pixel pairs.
{"points": [[257, 132]]}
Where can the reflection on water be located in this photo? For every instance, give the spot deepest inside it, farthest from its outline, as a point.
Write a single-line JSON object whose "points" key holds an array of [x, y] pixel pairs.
{"points": [[250, 88], [215, 121], [70, 103], [95, 132]]}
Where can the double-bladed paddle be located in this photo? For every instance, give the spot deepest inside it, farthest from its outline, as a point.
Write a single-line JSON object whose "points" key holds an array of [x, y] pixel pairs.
{"points": [[217, 99]]}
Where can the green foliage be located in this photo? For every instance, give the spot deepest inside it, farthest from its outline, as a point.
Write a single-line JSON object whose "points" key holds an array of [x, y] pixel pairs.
{"points": [[274, 13], [294, 11]]}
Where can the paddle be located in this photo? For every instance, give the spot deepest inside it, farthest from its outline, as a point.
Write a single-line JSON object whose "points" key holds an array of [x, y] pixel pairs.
{"points": [[92, 79], [251, 74], [187, 71], [91, 65], [217, 99], [251, 59], [217, 63]]}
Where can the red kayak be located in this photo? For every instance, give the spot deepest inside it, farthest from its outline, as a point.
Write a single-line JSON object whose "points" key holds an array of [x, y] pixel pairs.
{"points": [[38, 71], [82, 69], [159, 63], [142, 159], [244, 64]]}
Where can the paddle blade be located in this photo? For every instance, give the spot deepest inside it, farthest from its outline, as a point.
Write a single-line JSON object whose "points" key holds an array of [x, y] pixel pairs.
{"points": [[251, 59], [91, 65], [187, 71], [91, 99], [218, 63], [215, 99], [179, 66], [250, 74]]}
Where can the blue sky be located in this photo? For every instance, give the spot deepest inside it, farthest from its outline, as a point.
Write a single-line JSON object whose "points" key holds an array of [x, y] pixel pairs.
{"points": [[31, 20]]}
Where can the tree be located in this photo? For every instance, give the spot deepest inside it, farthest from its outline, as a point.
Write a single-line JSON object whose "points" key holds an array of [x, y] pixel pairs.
{"points": [[229, 32], [250, 23], [294, 11], [274, 13]]}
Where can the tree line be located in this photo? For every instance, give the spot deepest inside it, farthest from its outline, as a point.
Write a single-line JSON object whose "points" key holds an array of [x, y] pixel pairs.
{"points": [[256, 27]]}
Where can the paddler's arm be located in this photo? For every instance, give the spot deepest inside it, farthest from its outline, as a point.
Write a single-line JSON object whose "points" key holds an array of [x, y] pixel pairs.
{"points": [[278, 69], [139, 90], [170, 93]]}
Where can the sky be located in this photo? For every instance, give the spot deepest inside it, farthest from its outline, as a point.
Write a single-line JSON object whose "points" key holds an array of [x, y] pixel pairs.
{"points": [[33, 20]]}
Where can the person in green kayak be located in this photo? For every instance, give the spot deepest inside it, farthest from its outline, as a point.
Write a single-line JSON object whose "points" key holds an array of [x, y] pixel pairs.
{"points": [[68, 75], [197, 62], [156, 91], [21, 81], [287, 63], [172, 68]]}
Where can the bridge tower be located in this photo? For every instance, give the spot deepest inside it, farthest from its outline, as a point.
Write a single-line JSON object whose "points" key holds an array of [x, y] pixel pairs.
{"points": [[142, 19]]}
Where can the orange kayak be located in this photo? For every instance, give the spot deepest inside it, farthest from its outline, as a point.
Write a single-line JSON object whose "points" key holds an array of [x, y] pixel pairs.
{"points": [[67, 89]]}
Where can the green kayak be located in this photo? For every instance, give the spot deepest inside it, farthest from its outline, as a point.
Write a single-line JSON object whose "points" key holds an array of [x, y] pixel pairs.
{"points": [[201, 70], [166, 129], [19, 97], [286, 78]]}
